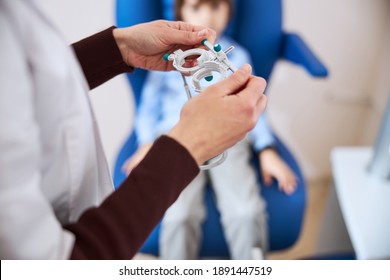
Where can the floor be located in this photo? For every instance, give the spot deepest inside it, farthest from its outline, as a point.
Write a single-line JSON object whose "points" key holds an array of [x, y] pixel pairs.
{"points": [[317, 195]]}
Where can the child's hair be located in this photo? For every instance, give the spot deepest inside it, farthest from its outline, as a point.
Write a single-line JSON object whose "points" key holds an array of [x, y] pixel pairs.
{"points": [[179, 4]]}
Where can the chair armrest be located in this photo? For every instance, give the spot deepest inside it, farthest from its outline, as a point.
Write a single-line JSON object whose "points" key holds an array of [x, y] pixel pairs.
{"points": [[295, 50], [285, 212]]}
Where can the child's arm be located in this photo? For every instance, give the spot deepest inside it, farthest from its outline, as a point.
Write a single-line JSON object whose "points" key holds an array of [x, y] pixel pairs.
{"points": [[133, 161], [272, 166], [149, 109], [146, 119]]}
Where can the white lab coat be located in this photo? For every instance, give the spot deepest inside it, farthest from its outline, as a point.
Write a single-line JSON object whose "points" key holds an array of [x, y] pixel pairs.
{"points": [[52, 165]]}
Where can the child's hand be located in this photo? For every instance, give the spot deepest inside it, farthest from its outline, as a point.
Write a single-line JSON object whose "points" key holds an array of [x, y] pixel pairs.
{"points": [[133, 161], [273, 166]]}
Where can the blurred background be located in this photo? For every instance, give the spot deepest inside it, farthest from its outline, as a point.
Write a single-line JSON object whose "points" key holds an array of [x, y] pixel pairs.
{"points": [[312, 116]]}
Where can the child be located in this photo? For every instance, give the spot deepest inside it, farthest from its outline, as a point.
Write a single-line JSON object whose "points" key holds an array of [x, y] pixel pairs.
{"points": [[234, 182]]}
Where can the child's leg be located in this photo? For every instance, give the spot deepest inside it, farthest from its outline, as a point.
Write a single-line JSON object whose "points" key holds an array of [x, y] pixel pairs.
{"points": [[181, 226], [238, 199]]}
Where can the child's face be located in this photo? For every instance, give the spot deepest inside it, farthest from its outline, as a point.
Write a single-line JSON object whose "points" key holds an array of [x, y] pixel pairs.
{"points": [[207, 14]]}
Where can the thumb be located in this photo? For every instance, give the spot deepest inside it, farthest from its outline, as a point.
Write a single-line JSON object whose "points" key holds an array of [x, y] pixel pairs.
{"points": [[267, 178], [235, 82]]}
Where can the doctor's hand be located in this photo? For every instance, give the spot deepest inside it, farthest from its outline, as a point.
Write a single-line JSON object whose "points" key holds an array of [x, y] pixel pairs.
{"points": [[221, 115], [144, 45]]}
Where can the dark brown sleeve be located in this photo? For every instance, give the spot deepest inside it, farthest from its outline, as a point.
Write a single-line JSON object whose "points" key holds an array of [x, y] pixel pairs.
{"points": [[119, 227], [100, 57]]}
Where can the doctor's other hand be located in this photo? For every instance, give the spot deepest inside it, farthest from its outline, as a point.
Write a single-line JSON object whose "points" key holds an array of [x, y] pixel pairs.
{"points": [[144, 45], [221, 115]]}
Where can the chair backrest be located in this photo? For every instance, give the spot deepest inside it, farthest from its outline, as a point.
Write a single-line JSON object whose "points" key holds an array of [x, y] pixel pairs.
{"points": [[256, 25]]}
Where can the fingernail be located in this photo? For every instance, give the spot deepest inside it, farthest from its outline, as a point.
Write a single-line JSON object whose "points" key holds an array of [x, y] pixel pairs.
{"points": [[246, 68], [202, 33]]}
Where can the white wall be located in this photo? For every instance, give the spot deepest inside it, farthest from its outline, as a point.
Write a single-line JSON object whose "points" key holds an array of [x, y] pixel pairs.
{"points": [[381, 92], [311, 116]]}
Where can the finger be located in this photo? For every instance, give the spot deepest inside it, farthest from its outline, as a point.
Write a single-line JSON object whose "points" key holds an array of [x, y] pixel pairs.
{"points": [[260, 106], [254, 89], [292, 188], [282, 185], [234, 83], [202, 31], [187, 34], [267, 179], [289, 189], [129, 165], [125, 166], [126, 169], [185, 26], [254, 92]]}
